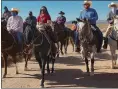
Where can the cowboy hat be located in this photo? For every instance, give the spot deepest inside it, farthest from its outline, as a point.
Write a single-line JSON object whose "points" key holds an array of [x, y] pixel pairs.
{"points": [[61, 12], [5, 7], [14, 9], [112, 4], [74, 22], [88, 2]]}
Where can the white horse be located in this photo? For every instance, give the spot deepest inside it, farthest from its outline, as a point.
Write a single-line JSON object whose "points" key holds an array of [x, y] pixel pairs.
{"points": [[112, 41]]}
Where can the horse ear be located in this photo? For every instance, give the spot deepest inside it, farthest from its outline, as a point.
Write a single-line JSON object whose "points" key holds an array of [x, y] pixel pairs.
{"points": [[78, 20], [85, 19]]}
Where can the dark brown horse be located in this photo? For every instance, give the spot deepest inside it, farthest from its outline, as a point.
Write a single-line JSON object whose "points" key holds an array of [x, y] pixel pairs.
{"points": [[9, 46], [63, 36], [43, 42]]}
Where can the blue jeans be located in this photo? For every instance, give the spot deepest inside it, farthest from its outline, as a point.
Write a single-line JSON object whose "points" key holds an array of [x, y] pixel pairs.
{"points": [[76, 38], [19, 37]]}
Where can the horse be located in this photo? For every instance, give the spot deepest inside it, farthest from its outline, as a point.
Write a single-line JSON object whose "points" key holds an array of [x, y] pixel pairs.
{"points": [[9, 46], [43, 48], [88, 42], [63, 36], [113, 42], [29, 32]]}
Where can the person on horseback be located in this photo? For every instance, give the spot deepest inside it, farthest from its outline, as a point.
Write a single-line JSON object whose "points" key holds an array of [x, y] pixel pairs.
{"points": [[15, 27], [61, 20], [110, 19], [92, 16], [76, 35], [30, 21], [6, 13], [42, 20], [44, 16]]}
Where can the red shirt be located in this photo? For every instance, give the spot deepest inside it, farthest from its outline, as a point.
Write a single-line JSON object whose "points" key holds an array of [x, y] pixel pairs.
{"points": [[43, 18]]}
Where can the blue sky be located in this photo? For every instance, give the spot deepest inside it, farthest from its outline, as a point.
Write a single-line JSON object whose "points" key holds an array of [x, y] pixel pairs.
{"points": [[71, 8]]}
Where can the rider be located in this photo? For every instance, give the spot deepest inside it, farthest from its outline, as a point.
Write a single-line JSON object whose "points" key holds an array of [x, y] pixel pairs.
{"points": [[44, 16], [92, 16], [6, 13], [31, 21], [76, 35], [15, 26], [61, 20], [110, 20]]}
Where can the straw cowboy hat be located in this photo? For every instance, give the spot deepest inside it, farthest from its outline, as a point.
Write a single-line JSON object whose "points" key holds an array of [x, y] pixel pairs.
{"points": [[14, 9], [88, 2], [112, 4], [61, 12]]}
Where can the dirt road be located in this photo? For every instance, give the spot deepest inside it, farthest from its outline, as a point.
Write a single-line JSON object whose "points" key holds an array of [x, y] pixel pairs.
{"points": [[69, 72]]}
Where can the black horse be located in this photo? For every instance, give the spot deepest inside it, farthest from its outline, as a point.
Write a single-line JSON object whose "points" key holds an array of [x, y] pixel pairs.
{"points": [[43, 48]]}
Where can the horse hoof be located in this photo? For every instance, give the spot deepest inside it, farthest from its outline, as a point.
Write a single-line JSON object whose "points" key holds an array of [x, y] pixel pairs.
{"points": [[25, 69], [92, 74], [17, 72], [4, 76], [42, 85], [113, 67], [48, 72]]}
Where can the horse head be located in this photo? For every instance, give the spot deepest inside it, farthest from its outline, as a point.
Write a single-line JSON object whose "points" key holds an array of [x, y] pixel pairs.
{"points": [[4, 31], [84, 28]]}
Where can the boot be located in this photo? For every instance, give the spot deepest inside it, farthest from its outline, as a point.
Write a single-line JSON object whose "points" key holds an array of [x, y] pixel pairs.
{"points": [[105, 42]]}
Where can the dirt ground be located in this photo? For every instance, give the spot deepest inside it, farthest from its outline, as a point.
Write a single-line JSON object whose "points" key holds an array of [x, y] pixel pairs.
{"points": [[69, 73]]}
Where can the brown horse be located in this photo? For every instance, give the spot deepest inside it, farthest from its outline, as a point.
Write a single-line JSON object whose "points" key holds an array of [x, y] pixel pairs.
{"points": [[9, 46], [63, 36]]}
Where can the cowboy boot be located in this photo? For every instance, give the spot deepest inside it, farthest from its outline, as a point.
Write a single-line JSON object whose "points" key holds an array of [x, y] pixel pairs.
{"points": [[105, 42]]}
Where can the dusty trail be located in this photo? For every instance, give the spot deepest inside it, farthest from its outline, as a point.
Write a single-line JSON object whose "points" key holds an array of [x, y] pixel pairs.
{"points": [[69, 72]]}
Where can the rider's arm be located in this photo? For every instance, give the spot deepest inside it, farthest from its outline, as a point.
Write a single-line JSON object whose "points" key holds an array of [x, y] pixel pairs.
{"points": [[20, 25], [95, 17], [109, 18]]}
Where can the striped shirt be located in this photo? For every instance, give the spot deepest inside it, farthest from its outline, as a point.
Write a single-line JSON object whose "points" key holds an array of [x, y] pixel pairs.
{"points": [[15, 23]]}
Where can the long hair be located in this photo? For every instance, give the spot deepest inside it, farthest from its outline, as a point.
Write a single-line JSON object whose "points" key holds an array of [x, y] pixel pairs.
{"points": [[45, 10]]}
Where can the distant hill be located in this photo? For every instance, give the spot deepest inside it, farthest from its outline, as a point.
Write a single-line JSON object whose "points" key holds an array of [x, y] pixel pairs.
{"points": [[98, 22]]}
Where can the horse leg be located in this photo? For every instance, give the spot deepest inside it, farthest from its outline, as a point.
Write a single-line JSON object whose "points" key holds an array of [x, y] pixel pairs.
{"points": [[113, 56], [87, 65], [53, 61], [61, 48], [5, 56], [38, 58], [43, 72], [14, 60], [26, 62], [66, 45], [48, 69], [58, 49], [117, 60], [92, 67], [71, 41]]}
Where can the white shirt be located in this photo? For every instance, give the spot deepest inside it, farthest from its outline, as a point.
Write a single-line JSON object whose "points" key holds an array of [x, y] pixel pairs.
{"points": [[15, 23]]}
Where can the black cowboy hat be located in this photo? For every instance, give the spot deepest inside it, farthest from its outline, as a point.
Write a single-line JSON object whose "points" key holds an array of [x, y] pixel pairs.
{"points": [[5, 7], [74, 22], [61, 12]]}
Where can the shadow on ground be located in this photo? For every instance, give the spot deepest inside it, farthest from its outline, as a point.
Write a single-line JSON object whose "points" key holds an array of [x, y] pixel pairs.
{"points": [[76, 78]]}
